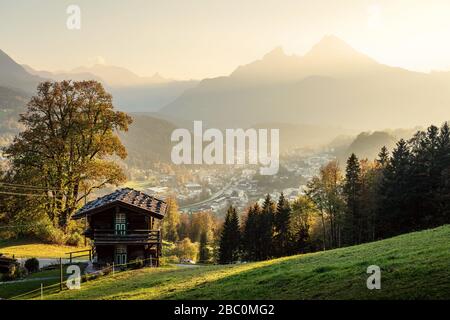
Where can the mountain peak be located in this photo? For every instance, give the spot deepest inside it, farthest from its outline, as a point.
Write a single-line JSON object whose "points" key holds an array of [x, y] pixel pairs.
{"points": [[333, 40], [276, 53], [7, 62], [331, 52], [156, 77], [332, 45], [14, 75]]}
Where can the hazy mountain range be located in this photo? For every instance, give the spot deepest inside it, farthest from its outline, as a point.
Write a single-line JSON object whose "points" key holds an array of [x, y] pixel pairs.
{"points": [[131, 92], [111, 75], [367, 145], [332, 90], [331, 85]]}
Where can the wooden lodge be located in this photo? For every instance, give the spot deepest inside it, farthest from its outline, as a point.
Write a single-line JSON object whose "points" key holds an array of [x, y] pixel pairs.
{"points": [[124, 226]]}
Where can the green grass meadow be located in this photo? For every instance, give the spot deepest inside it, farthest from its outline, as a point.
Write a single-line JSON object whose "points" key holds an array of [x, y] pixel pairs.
{"points": [[413, 266]]}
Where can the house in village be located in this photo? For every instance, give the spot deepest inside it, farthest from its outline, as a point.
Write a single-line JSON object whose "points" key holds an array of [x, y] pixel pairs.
{"points": [[124, 226]]}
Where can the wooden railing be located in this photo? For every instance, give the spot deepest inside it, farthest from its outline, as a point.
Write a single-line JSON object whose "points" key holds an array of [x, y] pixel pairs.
{"points": [[79, 254], [130, 236]]}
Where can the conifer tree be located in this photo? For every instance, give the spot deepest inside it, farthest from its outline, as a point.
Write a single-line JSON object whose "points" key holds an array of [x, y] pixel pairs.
{"points": [[281, 227], [430, 164], [265, 229], [250, 233], [383, 157], [393, 211], [443, 192], [230, 238], [352, 193]]}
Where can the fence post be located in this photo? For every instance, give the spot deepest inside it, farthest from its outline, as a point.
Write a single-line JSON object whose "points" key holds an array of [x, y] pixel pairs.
{"points": [[113, 268], [42, 291], [60, 274], [70, 259]]}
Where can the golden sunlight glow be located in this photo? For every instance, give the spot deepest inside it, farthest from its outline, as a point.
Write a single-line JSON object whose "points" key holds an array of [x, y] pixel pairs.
{"points": [[198, 39]]}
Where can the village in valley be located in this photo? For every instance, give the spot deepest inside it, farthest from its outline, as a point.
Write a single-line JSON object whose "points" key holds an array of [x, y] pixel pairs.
{"points": [[215, 188]]}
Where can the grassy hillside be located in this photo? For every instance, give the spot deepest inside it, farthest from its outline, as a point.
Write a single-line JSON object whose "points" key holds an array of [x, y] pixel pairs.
{"points": [[24, 248], [414, 266]]}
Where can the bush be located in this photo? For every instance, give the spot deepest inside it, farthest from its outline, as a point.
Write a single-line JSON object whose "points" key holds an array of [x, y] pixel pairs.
{"points": [[186, 250], [32, 265], [75, 239], [56, 236], [15, 272], [47, 232], [6, 235], [166, 260], [168, 248]]}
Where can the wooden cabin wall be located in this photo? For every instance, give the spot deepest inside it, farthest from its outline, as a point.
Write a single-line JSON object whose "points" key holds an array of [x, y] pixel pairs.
{"points": [[106, 220], [136, 220], [102, 220], [136, 252], [105, 253]]}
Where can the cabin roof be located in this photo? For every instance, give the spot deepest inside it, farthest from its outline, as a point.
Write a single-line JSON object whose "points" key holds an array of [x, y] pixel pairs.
{"points": [[130, 198]]}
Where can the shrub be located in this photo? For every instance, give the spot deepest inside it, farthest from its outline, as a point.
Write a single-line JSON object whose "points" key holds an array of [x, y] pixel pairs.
{"points": [[14, 272], [47, 232], [168, 248], [75, 226], [75, 239], [32, 265], [165, 260], [7, 234], [56, 236], [186, 250]]}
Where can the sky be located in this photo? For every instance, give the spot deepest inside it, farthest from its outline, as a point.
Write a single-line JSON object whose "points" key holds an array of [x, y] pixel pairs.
{"points": [[195, 39]]}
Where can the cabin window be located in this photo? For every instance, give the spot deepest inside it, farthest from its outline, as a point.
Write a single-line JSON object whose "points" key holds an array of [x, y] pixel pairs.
{"points": [[121, 255], [120, 224]]}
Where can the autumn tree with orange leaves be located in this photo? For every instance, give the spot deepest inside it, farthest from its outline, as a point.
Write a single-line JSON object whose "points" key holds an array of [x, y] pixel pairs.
{"points": [[67, 147]]}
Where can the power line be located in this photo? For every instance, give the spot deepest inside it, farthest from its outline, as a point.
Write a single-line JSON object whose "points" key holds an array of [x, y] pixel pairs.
{"points": [[20, 225], [22, 194], [24, 186]]}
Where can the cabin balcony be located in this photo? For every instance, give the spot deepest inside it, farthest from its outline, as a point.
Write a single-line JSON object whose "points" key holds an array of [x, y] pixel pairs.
{"points": [[111, 236]]}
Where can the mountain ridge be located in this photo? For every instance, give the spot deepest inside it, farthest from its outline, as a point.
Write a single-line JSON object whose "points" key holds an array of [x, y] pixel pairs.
{"points": [[14, 76], [347, 88], [131, 93]]}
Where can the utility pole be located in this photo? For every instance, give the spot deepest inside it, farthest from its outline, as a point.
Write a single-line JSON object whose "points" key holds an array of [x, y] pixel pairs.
{"points": [[60, 274]]}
